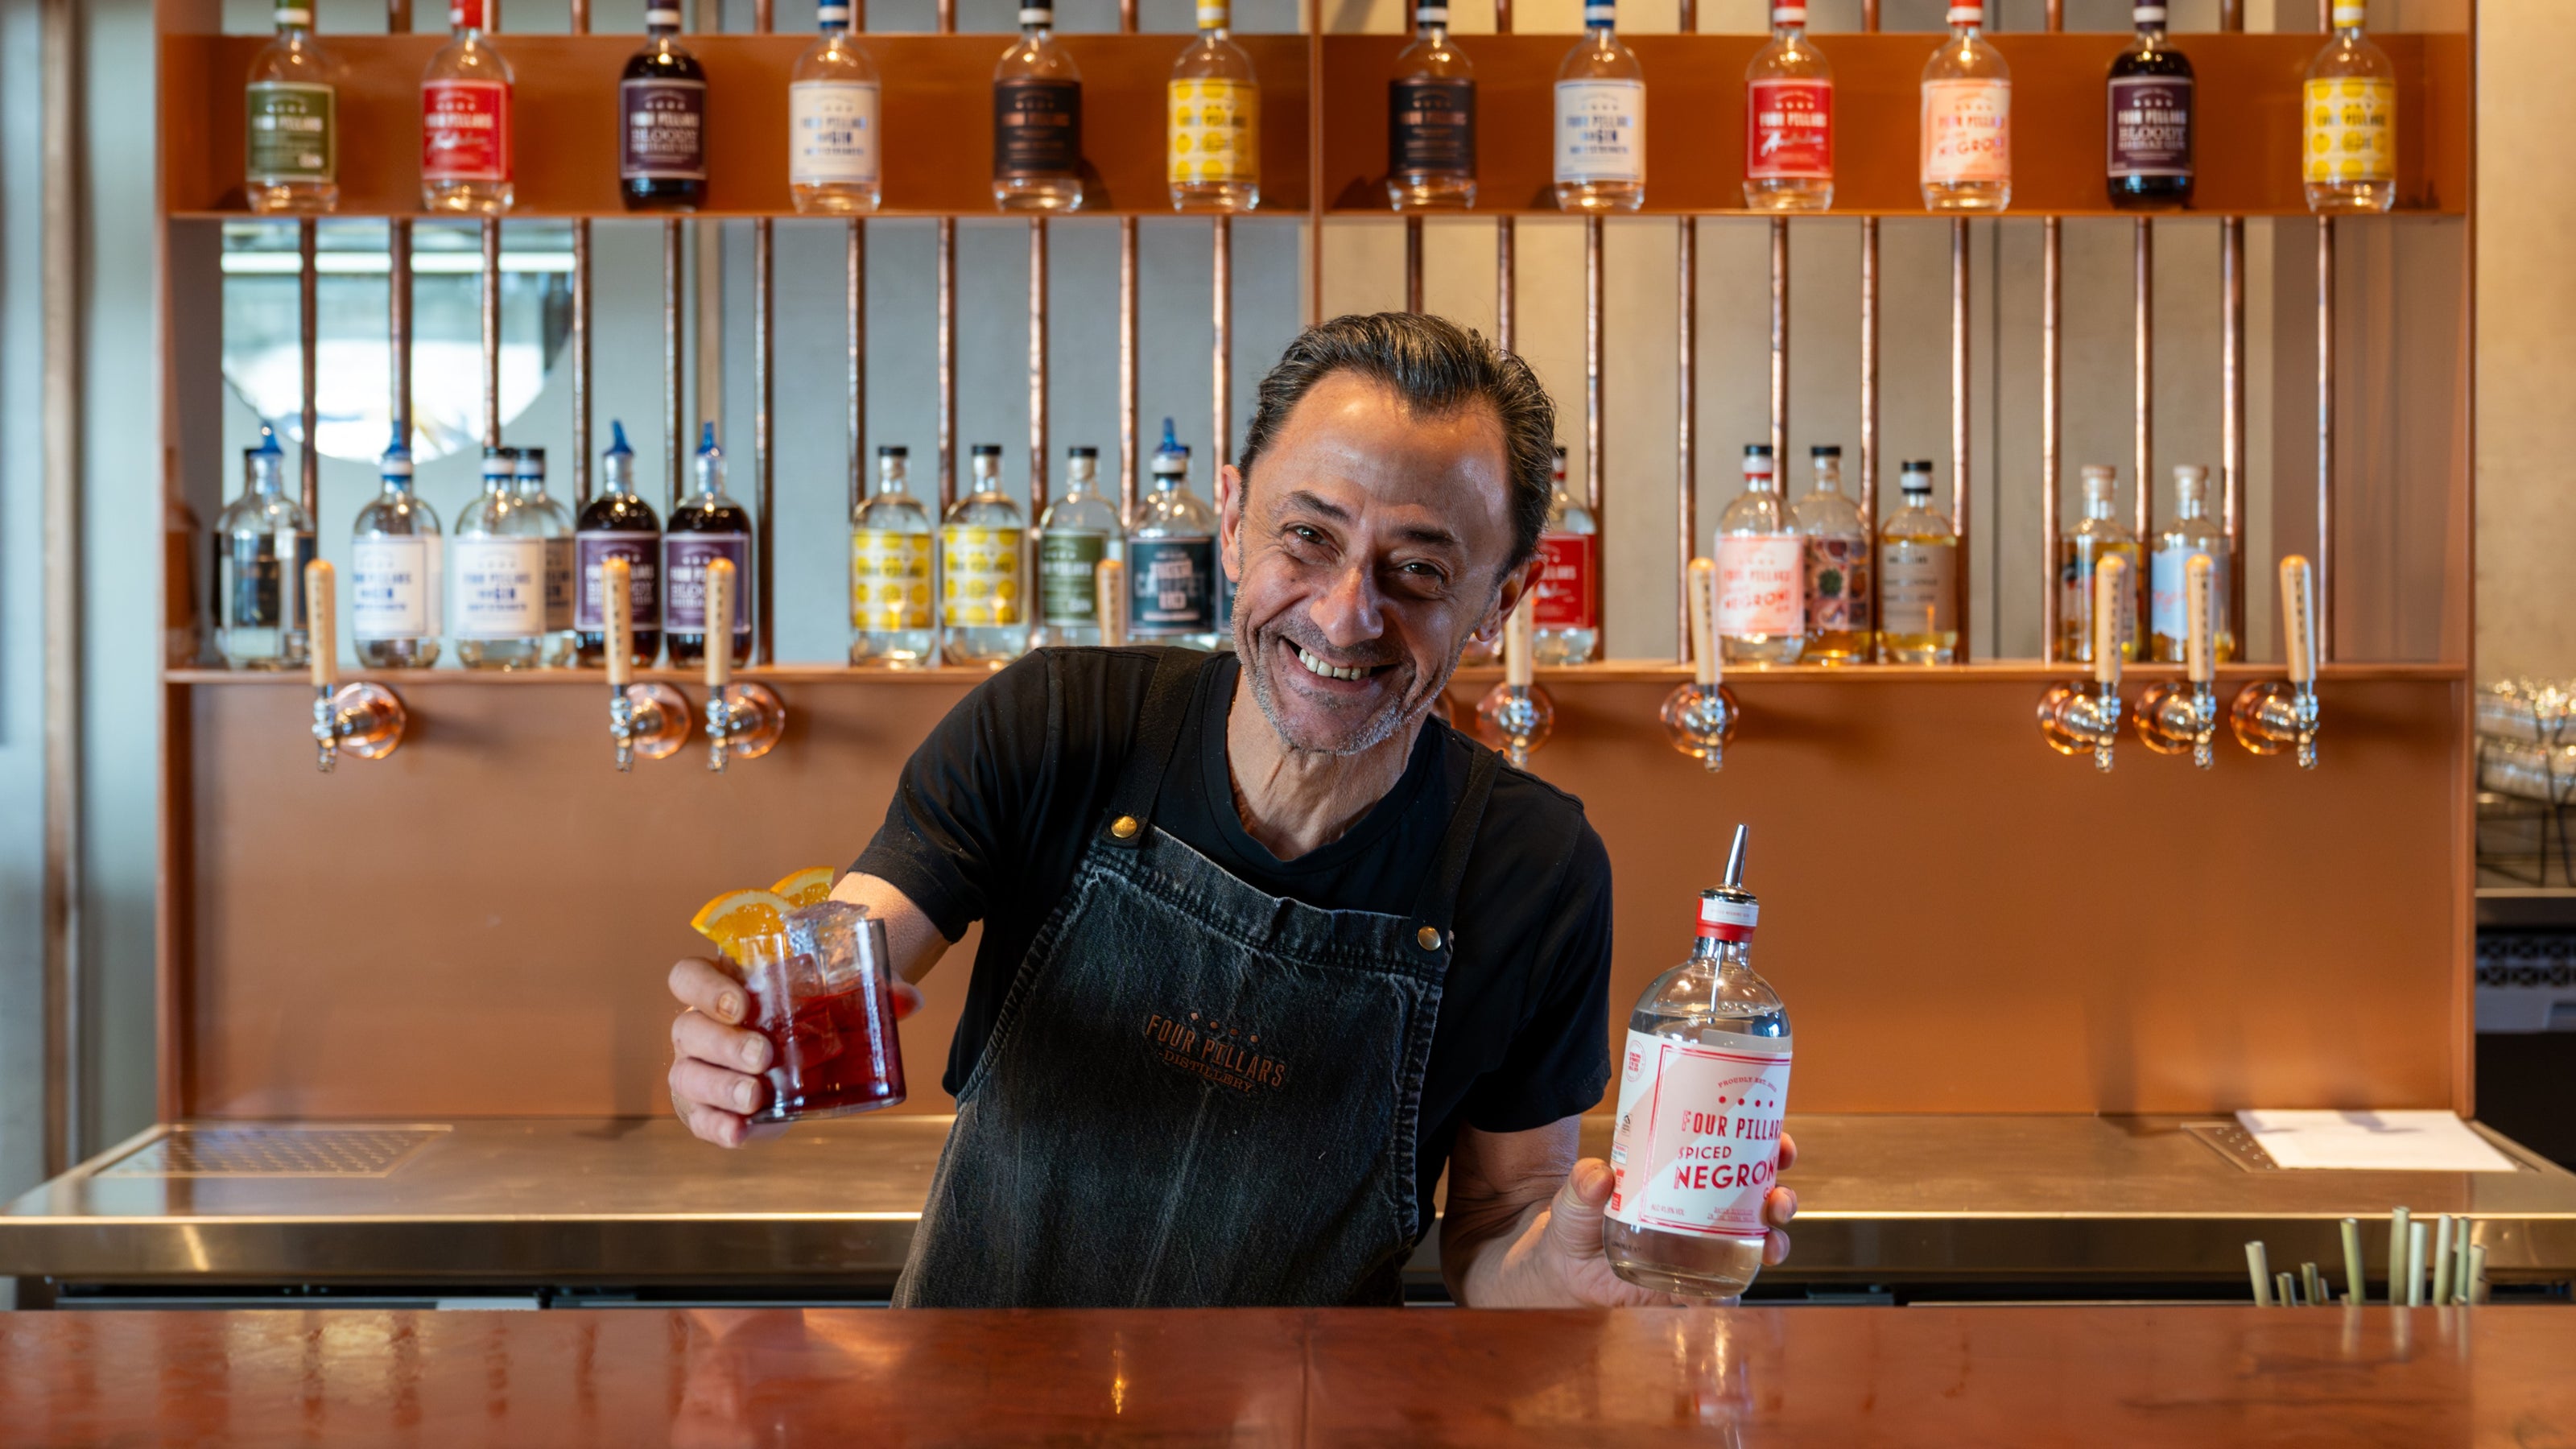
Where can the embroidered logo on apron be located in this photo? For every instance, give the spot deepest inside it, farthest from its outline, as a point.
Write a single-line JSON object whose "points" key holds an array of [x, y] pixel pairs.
{"points": [[1227, 1056]]}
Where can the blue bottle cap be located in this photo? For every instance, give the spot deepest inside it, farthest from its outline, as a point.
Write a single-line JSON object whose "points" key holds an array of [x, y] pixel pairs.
{"points": [[617, 440], [707, 439], [267, 441]]}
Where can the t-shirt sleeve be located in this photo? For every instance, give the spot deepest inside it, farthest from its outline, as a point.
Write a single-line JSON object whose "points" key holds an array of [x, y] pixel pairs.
{"points": [[1559, 1062], [951, 834]]}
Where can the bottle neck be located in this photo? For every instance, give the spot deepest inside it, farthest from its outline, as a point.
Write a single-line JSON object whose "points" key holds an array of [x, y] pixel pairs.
{"points": [[890, 480], [294, 24], [1036, 29], [498, 485], [1170, 482], [1757, 482], [465, 18], [397, 485], [1215, 20], [267, 482], [2097, 503], [1918, 498], [617, 482], [1077, 484], [832, 19], [2191, 505], [1829, 479], [1966, 21], [1718, 953]]}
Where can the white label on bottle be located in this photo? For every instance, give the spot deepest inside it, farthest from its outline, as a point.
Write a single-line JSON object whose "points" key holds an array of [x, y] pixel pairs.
{"points": [[1601, 130], [559, 597], [1760, 589], [393, 587], [1698, 1138], [832, 133], [500, 588]]}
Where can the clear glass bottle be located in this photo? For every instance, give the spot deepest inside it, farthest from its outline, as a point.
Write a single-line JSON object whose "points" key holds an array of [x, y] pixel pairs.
{"points": [[982, 618], [529, 469], [1967, 119], [1835, 560], [291, 111], [890, 584], [465, 117], [618, 523], [662, 120], [2151, 109], [708, 525], [2193, 531], [1077, 531], [2350, 120], [1918, 578], [1761, 589], [1214, 132], [1037, 120], [395, 567], [1600, 119], [496, 590], [2098, 535], [1703, 1089], [262, 541], [833, 162], [1431, 119], [1789, 120], [1171, 557], [1565, 627]]}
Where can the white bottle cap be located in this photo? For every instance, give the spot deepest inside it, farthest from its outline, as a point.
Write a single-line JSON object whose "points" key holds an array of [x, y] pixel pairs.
{"points": [[295, 15], [1037, 15], [1214, 16], [1430, 14], [828, 13], [1967, 12], [2147, 14], [1788, 14], [2349, 13], [1599, 12], [1728, 917], [662, 15]]}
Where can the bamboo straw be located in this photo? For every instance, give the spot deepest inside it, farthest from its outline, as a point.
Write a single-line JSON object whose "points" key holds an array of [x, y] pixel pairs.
{"points": [[2256, 1268], [2352, 1260]]}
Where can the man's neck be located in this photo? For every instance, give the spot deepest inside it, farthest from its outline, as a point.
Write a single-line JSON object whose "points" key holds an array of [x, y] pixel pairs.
{"points": [[1294, 802]]}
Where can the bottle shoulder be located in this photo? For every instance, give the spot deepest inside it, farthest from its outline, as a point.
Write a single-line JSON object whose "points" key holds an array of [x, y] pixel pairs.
{"points": [[2145, 58], [892, 513], [834, 58], [1036, 57], [1967, 58], [1752, 514], [1599, 57], [1214, 56], [1823, 513], [663, 59], [396, 516], [620, 513], [1789, 58], [2351, 56], [1698, 994], [704, 514], [1428, 58], [293, 60], [470, 58]]}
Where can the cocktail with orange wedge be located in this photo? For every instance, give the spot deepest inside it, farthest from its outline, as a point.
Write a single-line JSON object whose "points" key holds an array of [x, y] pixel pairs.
{"points": [[822, 990]]}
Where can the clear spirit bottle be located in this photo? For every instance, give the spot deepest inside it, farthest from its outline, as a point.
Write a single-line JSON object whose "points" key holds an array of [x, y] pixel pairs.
{"points": [[981, 620], [465, 120], [1600, 119], [1037, 120], [1171, 557], [890, 602], [662, 120], [2099, 535], [2193, 531], [1564, 627], [1835, 560], [1703, 1088], [1431, 119], [529, 471], [262, 540], [1215, 129], [1761, 592], [2350, 106], [1918, 578], [1967, 119], [833, 163], [618, 523], [708, 525], [1075, 533], [2150, 131], [496, 591], [292, 113], [1789, 120], [395, 566]]}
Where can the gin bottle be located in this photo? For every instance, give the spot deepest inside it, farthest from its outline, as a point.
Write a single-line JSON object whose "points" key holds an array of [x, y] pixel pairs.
{"points": [[262, 543], [2350, 120], [1918, 578], [1037, 120], [1171, 557], [2150, 131], [292, 113], [1834, 556], [1431, 119], [1600, 119], [555, 523], [890, 535], [1703, 1086], [1215, 120], [1789, 120], [465, 121], [662, 120], [2192, 532], [981, 620], [395, 562], [1761, 593], [706, 526], [1564, 627], [1076, 532], [1967, 119], [832, 157], [617, 524], [496, 589], [2098, 535]]}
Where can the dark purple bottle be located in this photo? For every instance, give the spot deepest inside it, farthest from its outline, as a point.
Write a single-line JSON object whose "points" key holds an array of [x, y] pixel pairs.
{"points": [[2150, 120]]}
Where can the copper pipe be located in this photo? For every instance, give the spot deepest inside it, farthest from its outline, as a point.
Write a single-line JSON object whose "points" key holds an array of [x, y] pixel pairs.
{"points": [[1869, 16], [947, 15], [398, 15], [947, 380], [855, 313], [2231, 14], [2052, 427], [1127, 355], [581, 17], [1221, 448], [761, 17], [2325, 438], [1506, 283], [2143, 255], [398, 318], [66, 989], [581, 364], [1413, 264], [1593, 439], [1127, 17], [1869, 375], [673, 425], [1037, 368], [1689, 16], [1503, 16], [1780, 350], [1959, 418], [764, 455], [2231, 366], [2056, 15], [1685, 432], [492, 332], [308, 327]]}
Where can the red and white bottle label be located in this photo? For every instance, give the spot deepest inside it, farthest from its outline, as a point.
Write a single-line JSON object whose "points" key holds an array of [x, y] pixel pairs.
{"points": [[1790, 130], [1565, 581], [1698, 1141], [1759, 585], [465, 131]]}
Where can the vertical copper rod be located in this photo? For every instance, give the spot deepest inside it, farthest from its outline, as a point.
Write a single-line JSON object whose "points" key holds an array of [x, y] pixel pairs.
{"points": [[1503, 16], [1037, 367], [2325, 438], [581, 17], [308, 329], [398, 15], [1685, 431], [1869, 16], [1127, 406], [398, 319], [1413, 264], [2231, 366], [855, 313], [2055, 15], [581, 340], [2231, 14], [1221, 357], [674, 426], [1506, 283], [2052, 426], [1780, 350], [764, 455], [947, 17], [492, 332], [947, 380], [761, 17], [1959, 420], [1869, 375], [1593, 437], [2144, 443]]}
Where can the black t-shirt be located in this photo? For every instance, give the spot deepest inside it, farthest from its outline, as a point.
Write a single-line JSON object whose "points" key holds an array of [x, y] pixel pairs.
{"points": [[998, 804]]}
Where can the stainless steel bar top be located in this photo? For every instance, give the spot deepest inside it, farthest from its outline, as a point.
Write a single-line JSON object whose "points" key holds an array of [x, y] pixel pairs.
{"points": [[559, 1200]]}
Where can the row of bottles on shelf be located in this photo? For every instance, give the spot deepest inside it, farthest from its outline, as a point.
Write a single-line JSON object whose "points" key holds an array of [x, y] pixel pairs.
{"points": [[1212, 136]]}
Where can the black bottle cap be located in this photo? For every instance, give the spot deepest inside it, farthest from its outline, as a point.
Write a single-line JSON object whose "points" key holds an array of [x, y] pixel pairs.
{"points": [[1080, 451], [894, 450], [1825, 450], [986, 450]]}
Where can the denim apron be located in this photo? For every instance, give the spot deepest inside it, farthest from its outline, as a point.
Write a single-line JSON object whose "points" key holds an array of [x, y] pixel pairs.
{"points": [[1196, 1093]]}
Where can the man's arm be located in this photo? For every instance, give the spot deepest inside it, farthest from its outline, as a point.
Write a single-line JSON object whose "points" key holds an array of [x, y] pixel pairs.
{"points": [[1522, 1228]]}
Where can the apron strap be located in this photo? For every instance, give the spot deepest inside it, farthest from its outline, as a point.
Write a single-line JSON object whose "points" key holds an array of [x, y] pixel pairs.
{"points": [[1158, 729], [1439, 904]]}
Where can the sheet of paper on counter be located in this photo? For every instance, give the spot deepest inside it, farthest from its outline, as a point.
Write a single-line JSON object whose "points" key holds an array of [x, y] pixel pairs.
{"points": [[2383, 1141]]}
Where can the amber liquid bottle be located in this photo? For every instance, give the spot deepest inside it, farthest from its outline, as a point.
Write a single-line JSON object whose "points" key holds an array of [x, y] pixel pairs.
{"points": [[662, 121], [2150, 132]]}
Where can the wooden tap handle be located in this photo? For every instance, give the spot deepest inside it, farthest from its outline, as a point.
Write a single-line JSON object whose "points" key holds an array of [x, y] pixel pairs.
{"points": [[2199, 602], [2299, 618], [2110, 576], [616, 581], [1109, 599], [719, 622], [1703, 620], [321, 618], [1516, 639]]}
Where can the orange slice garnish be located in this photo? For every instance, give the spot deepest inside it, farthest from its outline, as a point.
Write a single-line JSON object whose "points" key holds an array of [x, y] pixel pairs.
{"points": [[738, 916], [808, 887]]}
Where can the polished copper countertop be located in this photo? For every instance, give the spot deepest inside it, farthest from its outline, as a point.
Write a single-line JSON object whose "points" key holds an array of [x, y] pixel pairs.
{"points": [[2194, 1377], [568, 1201]]}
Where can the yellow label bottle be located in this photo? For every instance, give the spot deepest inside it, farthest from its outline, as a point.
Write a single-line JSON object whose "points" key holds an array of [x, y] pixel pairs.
{"points": [[979, 577], [889, 579], [2348, 121], [1213, 135]]}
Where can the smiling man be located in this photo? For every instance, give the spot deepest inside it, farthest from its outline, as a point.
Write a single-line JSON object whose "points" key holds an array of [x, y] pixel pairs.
{"points": [[1266, 945]]}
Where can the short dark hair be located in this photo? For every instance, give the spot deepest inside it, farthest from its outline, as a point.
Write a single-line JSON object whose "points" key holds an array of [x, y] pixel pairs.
{"points": [[1439, 369]]}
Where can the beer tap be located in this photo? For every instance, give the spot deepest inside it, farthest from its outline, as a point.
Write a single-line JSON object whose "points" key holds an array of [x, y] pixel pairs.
{"points": [[743, 720], [2073, 719], [1699, 717], [1516, 715], [1109, 601], [2174, 717], [647, 719], [364, 718], [2271, 715]]}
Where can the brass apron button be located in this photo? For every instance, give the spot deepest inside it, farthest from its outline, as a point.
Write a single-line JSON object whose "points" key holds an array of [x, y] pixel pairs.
{"points": [[1124, 827], [1429, 936]]}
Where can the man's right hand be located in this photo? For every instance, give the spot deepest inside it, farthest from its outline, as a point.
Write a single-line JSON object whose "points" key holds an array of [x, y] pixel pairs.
{"points": [[716, 1061]]}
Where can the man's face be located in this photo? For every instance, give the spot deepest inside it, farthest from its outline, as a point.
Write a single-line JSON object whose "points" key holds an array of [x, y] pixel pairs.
{"points": [[1372, 553]]}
